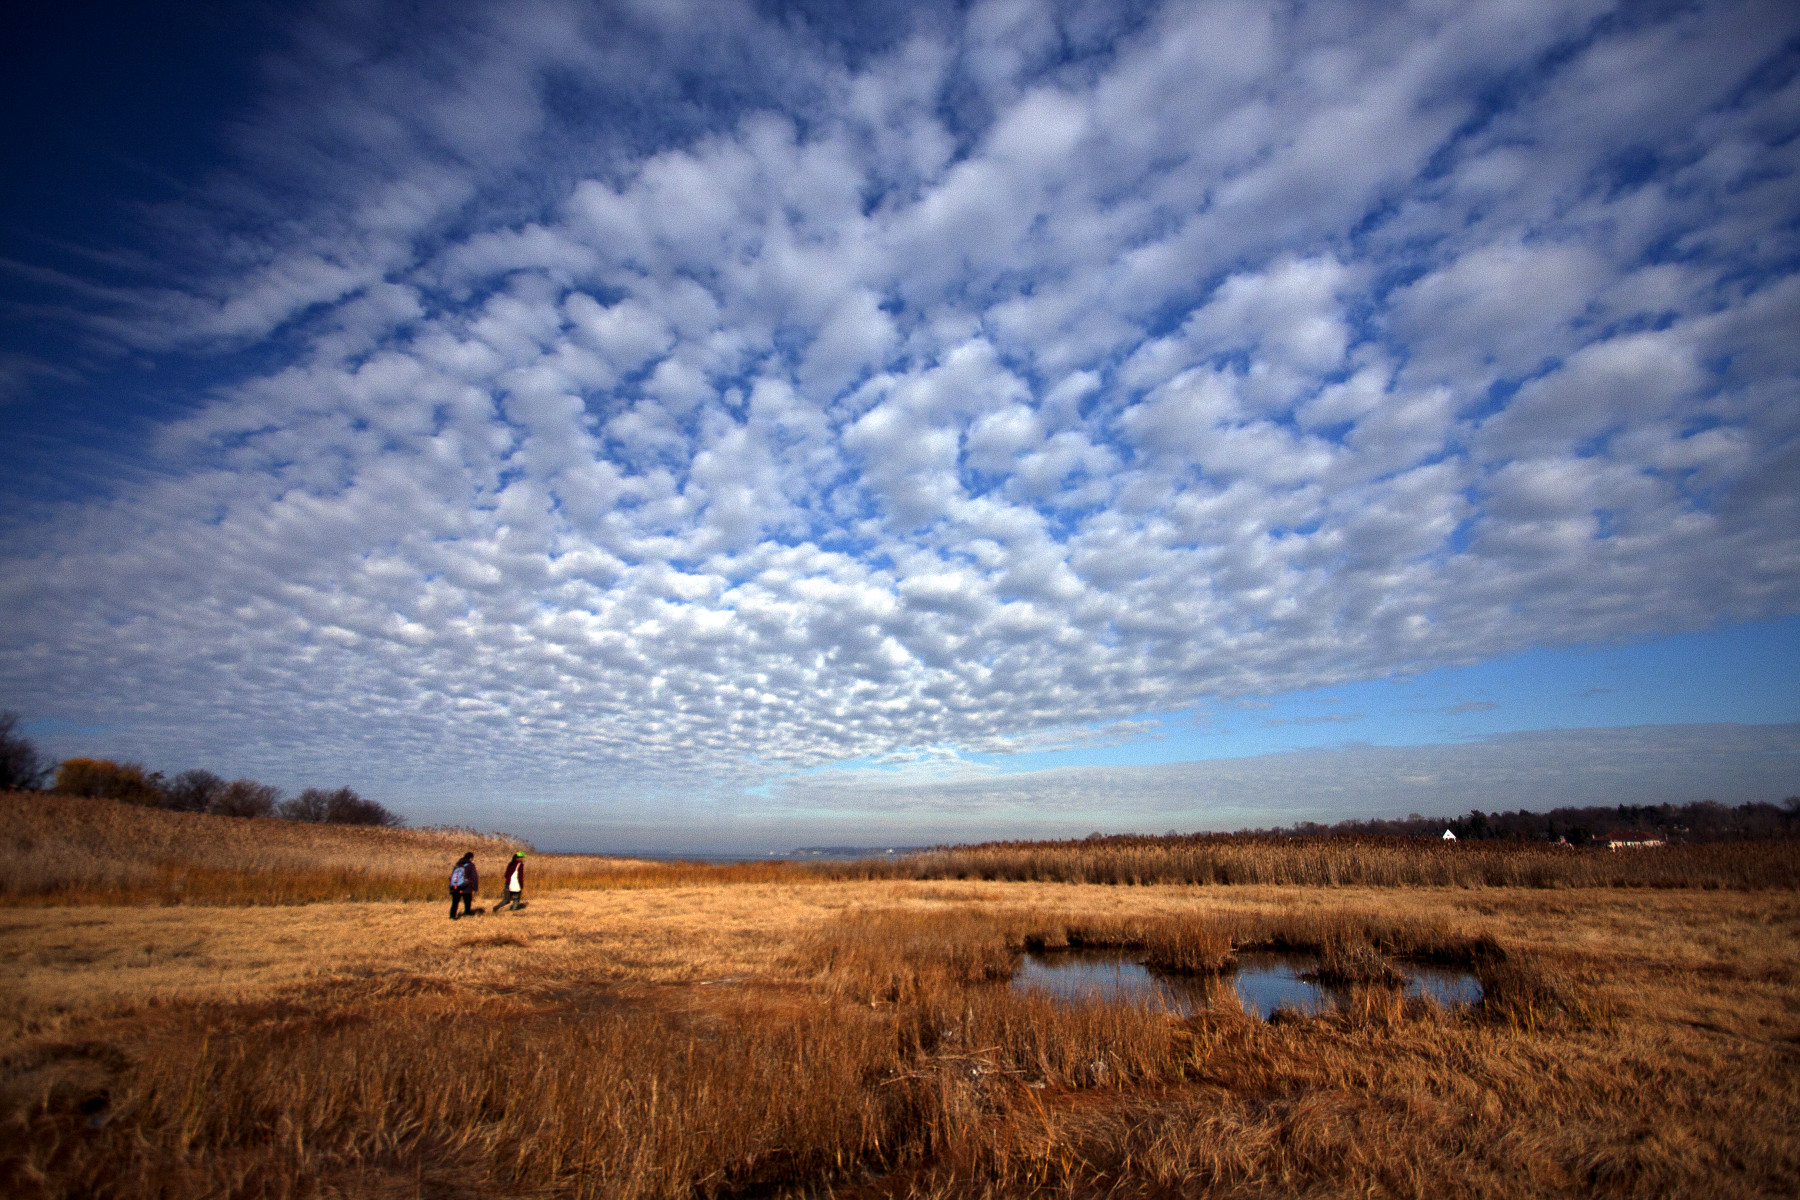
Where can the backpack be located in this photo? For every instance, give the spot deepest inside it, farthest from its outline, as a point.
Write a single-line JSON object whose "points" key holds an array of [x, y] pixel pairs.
{"points": [[459, 876]]}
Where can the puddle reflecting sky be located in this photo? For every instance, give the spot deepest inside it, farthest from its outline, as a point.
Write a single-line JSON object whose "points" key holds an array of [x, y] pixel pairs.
{"points": [[1264, 981]]}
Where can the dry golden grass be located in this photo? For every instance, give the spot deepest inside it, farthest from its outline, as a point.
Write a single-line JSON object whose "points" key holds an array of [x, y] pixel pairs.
{"points": [[648, 1030], [74, 850], [783, 1038], [70, 850]]}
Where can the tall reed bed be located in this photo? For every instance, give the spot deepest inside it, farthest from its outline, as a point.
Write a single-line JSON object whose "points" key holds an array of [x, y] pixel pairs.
{"points": [[1346, 862]]}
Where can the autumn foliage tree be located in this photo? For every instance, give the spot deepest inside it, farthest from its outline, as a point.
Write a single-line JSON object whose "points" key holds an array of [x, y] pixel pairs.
{"points": [[105, 779]]}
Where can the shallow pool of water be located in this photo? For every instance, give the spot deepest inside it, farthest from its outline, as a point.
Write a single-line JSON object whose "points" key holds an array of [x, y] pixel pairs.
{"points": [[1263, 980]]}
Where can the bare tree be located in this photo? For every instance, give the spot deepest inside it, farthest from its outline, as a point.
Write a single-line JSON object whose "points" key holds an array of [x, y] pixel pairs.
{"points": [[341, 807], [345, 807], [193, 791], [245, 798], [21, 770], [309, 807]]}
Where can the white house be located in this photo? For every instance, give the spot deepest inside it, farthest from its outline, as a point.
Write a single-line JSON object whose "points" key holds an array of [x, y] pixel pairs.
{"points": [[1448, 836]]}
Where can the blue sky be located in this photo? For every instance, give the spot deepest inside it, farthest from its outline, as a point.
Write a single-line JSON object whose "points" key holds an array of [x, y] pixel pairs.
{"points": [[746, 422], [1743, 674]]}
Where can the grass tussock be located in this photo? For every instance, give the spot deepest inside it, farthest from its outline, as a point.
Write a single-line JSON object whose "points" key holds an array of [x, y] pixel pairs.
{"points": [[1347, 862], [74, 850]]}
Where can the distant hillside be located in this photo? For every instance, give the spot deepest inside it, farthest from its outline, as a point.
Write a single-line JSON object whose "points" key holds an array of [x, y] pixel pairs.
{"points": [[63, 848], [58, 849]]}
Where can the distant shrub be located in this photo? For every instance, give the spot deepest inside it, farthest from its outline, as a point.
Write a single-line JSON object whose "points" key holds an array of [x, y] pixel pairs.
{"points": [[193, 791], [245, 798], [340, 807], [101, 778], [20, 768]]}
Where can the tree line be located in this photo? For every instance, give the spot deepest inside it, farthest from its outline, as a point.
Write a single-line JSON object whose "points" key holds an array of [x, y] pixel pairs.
{"points": [[196, 791], [1700, 821]]}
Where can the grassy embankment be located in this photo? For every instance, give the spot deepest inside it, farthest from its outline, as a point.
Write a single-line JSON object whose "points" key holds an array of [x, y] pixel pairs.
{"points": [[763, 1037], [68, 850]]}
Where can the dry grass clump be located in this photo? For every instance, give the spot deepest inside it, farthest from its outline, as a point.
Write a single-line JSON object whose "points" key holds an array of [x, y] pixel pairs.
{"points": [[1190, 947], [1346, 936], [889, 956], [1346, 963], [75, 850], [1346, 862], [1530, 996]]}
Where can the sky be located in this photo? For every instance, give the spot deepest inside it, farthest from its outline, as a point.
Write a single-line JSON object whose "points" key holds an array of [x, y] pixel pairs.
{"points": [[733, 425]]}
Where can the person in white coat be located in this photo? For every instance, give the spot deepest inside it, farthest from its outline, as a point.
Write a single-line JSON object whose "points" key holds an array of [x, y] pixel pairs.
{"points": [[512, 891]]}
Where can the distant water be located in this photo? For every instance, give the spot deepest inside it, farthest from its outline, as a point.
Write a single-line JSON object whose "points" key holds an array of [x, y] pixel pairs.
{"points": [[704, 856], [803, 854], [856, 852], [1263, 981]]}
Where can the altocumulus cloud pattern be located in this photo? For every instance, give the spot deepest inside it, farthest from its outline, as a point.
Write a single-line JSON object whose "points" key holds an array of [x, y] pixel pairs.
{"points": [[699, 393]]}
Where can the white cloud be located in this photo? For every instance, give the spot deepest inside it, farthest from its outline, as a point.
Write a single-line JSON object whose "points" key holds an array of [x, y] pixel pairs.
{"points": [[1004, 382]]}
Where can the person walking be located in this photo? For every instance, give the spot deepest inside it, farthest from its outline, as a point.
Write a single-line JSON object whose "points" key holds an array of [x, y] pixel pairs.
{"points": [[513, 888], [464, 879]]}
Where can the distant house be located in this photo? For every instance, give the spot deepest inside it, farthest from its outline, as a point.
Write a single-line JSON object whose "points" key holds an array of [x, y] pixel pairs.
{"points": [[1635, 839], [1448, 836]]}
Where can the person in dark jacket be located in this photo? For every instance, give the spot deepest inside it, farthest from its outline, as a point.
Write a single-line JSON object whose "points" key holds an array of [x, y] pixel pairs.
{"points": [[464, 879], [512, 889]]}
